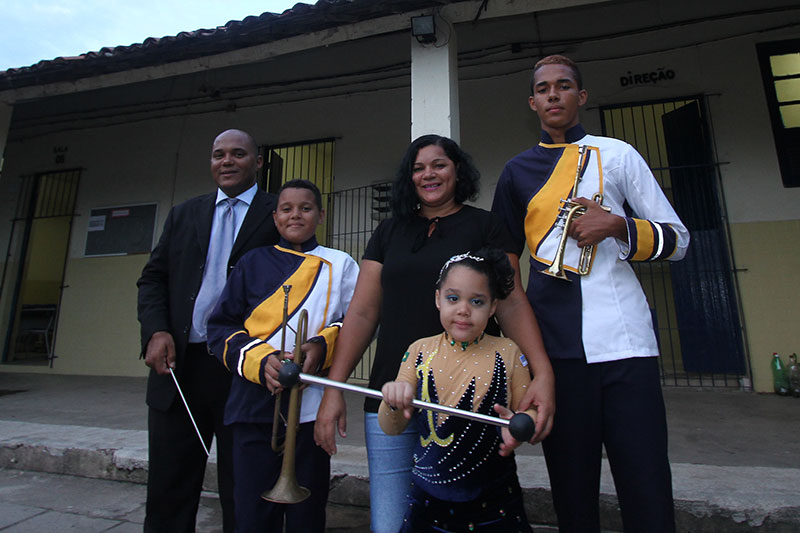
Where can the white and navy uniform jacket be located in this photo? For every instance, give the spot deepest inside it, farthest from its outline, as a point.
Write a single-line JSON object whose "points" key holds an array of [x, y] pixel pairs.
{"points": [[245, 327], [603, 316]]}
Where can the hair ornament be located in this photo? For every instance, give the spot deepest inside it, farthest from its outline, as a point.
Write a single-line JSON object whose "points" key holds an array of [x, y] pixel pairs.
{"points": [[456, 259]]}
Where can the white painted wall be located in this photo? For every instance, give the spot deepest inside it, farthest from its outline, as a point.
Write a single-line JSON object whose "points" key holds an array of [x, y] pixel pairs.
{"points": [[434, 84], [727, 71]]}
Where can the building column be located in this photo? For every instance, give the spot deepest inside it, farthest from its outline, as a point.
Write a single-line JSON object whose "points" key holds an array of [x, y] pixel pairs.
{"points": [[5, 123], [434, 84]]}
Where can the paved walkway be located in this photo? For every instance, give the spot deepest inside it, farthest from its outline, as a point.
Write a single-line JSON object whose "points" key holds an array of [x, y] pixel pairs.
{"points": [[735, 455]]}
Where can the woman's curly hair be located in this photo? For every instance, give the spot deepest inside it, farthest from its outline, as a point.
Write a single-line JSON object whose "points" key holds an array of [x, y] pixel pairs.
{"points": [[404, 201]]}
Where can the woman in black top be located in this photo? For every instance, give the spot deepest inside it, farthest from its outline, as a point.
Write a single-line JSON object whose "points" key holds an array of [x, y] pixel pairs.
{"points": [[430, 224]]}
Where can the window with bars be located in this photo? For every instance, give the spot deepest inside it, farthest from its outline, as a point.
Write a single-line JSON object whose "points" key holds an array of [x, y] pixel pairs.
{"points": [[310, 160], [352, 217], [351, 214], [33, 274]]}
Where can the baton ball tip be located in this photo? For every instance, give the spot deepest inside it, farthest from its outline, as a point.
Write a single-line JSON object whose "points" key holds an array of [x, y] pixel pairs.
{"points": [[289, 375], [521, 427]]}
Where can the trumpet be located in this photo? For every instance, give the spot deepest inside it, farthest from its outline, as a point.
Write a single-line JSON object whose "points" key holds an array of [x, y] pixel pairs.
{"points": [[277, 446], [287, 489], [569, 211]]}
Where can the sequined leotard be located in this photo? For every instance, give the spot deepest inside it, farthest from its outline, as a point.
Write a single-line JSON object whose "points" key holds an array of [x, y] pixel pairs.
{"points": [[460, 482]]}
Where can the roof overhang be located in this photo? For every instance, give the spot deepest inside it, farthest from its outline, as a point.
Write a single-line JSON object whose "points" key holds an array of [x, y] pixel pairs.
{"points": [[269, 35]]}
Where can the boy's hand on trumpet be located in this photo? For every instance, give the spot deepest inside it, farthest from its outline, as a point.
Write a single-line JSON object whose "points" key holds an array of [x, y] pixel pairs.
{"points": [[271, 369], [314, 357]]}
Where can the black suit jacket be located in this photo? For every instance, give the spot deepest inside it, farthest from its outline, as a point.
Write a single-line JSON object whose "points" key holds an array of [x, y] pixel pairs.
{"points": [[171, 279]]}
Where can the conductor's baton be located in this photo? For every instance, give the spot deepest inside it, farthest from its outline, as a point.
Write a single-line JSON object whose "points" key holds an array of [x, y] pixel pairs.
{"points": [[189, 411]]}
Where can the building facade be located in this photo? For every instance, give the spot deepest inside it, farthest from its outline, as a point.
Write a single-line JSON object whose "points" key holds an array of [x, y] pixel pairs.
{"points": [[96, 149]]}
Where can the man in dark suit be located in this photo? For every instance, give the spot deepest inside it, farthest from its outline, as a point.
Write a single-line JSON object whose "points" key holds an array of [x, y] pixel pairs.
{"points": [[202, 239]]}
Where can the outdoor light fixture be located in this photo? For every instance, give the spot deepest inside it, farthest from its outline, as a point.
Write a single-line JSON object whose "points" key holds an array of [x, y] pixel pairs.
{"points": [[424, 29]]}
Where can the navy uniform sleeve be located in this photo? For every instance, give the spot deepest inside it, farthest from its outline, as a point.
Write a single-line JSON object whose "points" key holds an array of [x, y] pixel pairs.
{"points": [[228, 338]]}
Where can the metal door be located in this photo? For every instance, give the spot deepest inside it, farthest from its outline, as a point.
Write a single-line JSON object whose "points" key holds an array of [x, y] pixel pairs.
{"points": [[694, 301]]}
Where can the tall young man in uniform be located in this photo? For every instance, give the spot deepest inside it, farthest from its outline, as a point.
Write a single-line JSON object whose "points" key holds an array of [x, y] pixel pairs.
{"points": [[597, 327]]}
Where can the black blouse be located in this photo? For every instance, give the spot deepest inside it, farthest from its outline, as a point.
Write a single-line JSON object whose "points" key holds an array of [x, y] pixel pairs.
{"points": [[411, 263]]}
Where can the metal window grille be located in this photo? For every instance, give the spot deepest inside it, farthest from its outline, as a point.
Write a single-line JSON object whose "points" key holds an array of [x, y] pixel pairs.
{"points": [[352, 214], [352, 217], [41, 196], [312, 161], [642, 127]]}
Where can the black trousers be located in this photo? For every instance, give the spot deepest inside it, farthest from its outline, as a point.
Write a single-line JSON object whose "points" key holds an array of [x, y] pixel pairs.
{"points": [[257, 469], [618, 405], [177, 459]]}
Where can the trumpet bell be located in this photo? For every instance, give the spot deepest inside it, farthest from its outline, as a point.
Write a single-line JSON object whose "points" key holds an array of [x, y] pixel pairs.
{"points": [[556, 268], [287, 491], [556, 271]]}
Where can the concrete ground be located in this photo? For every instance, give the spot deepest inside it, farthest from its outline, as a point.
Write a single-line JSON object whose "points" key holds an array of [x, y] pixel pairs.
{"points": [[36, 502], [734, 459]]}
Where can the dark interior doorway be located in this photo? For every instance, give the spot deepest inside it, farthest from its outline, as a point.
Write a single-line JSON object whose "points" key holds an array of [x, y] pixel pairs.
{"points": [[33, 274], [694, 301]]}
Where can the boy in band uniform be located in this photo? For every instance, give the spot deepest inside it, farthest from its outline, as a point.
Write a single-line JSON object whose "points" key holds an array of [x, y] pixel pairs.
{"points": [[597, 328], [244, 332]]}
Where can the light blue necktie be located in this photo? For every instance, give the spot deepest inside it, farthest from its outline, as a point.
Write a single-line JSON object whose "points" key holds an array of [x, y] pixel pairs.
{"points": [[215, 274]]}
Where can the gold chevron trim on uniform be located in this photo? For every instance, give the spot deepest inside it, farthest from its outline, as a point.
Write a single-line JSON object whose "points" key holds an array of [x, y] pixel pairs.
{"points": [[267, 317], [645, 240], [600, 182], [325, 317], [330, 278], [599, 163], [251, 366], [544, 207], [330, 333]]}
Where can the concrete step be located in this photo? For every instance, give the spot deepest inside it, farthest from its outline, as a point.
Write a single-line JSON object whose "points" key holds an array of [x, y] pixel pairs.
{"points": [[707, 497]]}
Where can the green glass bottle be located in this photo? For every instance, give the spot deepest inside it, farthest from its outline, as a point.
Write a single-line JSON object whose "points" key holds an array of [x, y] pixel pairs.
{"points": [[779, 377]]}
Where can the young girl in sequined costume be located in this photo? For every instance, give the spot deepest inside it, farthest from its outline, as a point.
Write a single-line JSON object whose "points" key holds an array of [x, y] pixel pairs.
{"points": [[464, 475]]}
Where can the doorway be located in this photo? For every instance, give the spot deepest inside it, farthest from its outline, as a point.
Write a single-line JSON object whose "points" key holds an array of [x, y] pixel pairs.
{"points": [[310, 160], [33, 275], [694, 301]]}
